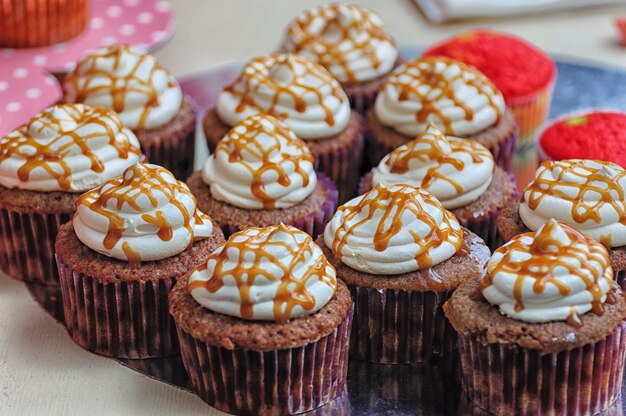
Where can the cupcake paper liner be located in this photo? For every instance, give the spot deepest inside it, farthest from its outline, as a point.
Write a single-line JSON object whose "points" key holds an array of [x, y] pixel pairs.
{"points": [[121, 319], [27, 245], [287, 381], [508, 380], [361, 99], [396, 326], [620, 278], [531, 112]]}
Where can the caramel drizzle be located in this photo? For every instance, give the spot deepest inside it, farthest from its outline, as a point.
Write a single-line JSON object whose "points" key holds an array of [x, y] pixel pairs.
{"points": [[50, 155], [547, 254], [393, 201], [420, 72], [432, 146], [589, 180], [256, 76], [327, 51], [119, 87], [244, 139], [140, 180], [257, 244]]}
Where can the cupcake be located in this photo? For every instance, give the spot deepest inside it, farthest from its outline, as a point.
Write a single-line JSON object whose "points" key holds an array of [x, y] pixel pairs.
{"points": [[460, 173], [261, 174], [264, 325], [35, 23], [525, 74], [351, 42], [44, 166], [146, 97], [128, 243], [588, 195], [401, 255], [458, 99], [309, 100], [592, 135], [543, 332]]}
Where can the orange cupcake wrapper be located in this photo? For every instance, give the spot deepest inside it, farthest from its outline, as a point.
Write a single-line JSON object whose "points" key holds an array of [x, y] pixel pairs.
{"points": [[531, 113]]}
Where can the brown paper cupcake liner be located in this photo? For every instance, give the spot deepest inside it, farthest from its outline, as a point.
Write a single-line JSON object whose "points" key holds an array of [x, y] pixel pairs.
{"points": [[27, 245], [395, 326], [506, 380], [121, 319], [288, 381]]}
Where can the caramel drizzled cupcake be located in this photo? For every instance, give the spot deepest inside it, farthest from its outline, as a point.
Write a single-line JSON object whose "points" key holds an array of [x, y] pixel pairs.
{"points": [[543, 331], [457, 98], [146, 97], [128, 243], [589, 195], [460, 173], [303, 95], [401, 254], [264, 324], [44, 166], [261, 174], [351, 42]]}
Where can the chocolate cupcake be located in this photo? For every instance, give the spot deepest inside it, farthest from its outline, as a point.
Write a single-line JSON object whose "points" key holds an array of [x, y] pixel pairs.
{"points": [[44, 166], [261, 174], [305, 96], [351, 42], [401, 254], [457, 98], [544, 331], [589, 195], [264, 324], [147, 98], [460, 173], [123, 251]]}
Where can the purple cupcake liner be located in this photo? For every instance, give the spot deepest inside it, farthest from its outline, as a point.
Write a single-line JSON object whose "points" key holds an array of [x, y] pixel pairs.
{"points": [[121, 319], [27, 245], [395, 326], [507, 380], [286, 381], [360, 100]]}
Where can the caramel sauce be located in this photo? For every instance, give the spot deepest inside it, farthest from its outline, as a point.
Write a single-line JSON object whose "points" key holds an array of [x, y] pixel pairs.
{"points": [[359, 34], [420, 72], [50, 155], [255, 243], [244, 139], [393, 201], [256, 76]]}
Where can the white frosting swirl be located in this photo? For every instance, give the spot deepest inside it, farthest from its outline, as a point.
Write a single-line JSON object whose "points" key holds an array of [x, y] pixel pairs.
{"points": [[71, 148], [456, 171], [393, 230], [274, 273], [260, 164], [144, 215], [457, 98], [128, 80], [588, 195], [348, 40], [553, 274], [292, 88]]}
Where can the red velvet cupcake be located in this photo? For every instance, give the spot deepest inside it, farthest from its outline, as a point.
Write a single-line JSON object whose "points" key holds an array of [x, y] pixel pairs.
{"points": [[524, 74]]}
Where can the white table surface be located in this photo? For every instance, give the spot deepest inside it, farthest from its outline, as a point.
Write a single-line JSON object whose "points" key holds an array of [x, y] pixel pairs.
{"points": [[42, 372]]}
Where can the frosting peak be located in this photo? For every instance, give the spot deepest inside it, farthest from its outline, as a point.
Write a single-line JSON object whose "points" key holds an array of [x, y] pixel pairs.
{"points": [[273, 273], [393, 230], [348, 40], [143, 215], [129, 81], [260, 163], [456, 171], [457, 98], [71, 147], [553, 274], [292, 88]]}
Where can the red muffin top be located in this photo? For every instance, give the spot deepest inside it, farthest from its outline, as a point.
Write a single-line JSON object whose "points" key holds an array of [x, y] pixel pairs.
{"points": [[517, 68], [595, 135]]}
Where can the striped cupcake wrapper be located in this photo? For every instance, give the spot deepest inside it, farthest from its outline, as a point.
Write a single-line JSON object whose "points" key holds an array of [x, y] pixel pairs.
{"points": [[531, 113]]}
